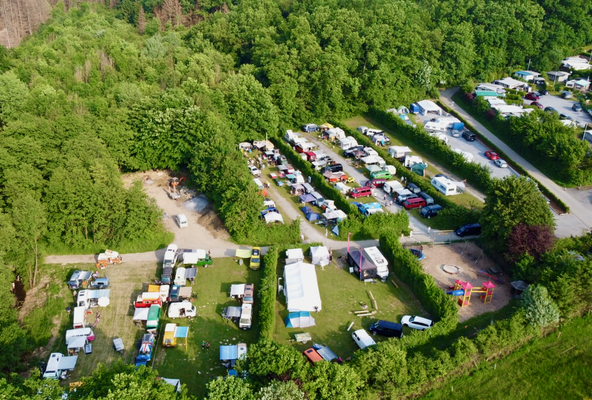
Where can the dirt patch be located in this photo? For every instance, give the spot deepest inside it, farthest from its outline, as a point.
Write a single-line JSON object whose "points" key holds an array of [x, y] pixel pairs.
{"points": [[34, 298], [470, 260], [204, 224]]}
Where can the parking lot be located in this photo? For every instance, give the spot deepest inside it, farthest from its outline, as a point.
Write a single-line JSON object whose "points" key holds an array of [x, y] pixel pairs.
{"points": [[564, 106], [476, 148]]}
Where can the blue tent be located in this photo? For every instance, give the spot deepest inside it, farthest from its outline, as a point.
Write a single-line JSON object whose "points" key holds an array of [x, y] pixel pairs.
{"points": [[313, 216], [228, 352], [301, 319], [306, 210], [307, 198], [335, 230]]}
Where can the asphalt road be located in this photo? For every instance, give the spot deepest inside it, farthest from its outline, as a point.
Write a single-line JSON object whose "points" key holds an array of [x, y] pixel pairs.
{"points": [[564, 106], [575, 223]]}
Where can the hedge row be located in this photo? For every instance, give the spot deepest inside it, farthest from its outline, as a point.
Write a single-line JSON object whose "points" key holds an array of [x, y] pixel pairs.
{"points": [[476, 174], [455, 214], [267, 294], [503, 155], [436, 302], [359, 226]]}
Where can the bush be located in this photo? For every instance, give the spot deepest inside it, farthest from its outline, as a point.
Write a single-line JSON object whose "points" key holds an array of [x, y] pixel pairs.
{"points": [[267, 294], [540, 309]]}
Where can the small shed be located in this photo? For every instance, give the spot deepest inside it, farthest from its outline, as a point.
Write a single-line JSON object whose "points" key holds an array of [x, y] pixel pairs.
{"points": [[319, 255]]}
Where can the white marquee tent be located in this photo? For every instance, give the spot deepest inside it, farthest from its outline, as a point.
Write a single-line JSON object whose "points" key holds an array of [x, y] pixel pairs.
{"points": [[301, 288], [319, 255]]}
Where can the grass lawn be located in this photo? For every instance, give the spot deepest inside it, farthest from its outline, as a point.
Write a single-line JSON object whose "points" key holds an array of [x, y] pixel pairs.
{"points": [[463, 199], [341, 294], [191, 364], [555, 367], [434, 222]]}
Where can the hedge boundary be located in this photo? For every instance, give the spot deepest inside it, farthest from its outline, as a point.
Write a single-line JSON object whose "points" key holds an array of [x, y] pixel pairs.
{"points": [[503, 155], [267, 294]]}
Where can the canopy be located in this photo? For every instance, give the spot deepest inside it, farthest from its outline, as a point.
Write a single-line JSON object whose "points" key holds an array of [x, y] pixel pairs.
{"points": [[307, 198], [67, 363], [243, 253], [77, 342], [335, 230], [295, 254], [232, 312], [238, 289], [190, 273], [141, 314], [97, 294], [301, 319], [319, 255], [301, 288], [228, 352], [273, 217]]}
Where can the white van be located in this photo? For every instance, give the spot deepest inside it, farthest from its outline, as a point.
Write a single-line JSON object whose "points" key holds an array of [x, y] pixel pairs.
{"points": [[169, 256], [79, 317], [246, 316], [363, 339], [181, 310], [181, 220], [84, 332], [180, 276]]}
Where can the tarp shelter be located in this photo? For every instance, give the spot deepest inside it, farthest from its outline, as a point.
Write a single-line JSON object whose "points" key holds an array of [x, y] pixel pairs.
{"points": [[301, 287], [191, 274], [273, 217], [307, 198], [319, 255], [182, 332], [237, 290], [301, 319], [228, 353], [243, 253], [363, 267], [294, 256], [231, 312], [77, 342], [141, 314], [324, 352], [429, 107]]}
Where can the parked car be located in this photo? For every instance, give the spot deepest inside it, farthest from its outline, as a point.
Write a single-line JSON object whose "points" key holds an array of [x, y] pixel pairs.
{"points": [[429, 199], [360, 192], [415, 202], [413, 188], [181, 220], [416, 322], [352, 151], [501, 163], [577, 107], [255, 258], [386, 328], [469, 136], [333, 168], [255, 171], [430, 211], [550, 109], [375, 183], [492, 155], [537, 104], [565, 116], [566, 94], [531, 96], [543, 92], [468, 230], [363, 339]]}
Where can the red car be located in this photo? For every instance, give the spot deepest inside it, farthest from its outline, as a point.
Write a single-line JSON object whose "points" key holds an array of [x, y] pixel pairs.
{"points": [[491, 155], [537, 104], [531, 96]]}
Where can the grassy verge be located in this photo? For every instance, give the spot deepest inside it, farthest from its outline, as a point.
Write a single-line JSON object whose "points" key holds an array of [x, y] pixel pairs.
{"points": [[341, 294], [557, 366], [157, 241]]}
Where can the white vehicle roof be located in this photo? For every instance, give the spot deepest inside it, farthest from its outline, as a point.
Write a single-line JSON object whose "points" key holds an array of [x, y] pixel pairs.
{"points": [[363, 338]]}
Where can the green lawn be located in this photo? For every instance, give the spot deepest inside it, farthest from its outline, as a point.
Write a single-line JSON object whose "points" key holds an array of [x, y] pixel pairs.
{"points": [[555, 367], [341, 294], [190, 363]]}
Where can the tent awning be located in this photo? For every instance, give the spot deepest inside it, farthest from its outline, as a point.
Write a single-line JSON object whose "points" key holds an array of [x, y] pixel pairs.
{"points": [[237, 289], [228, 352], [67, 363], [243, 253], [307, 198], [77, 342], [182, 332], [232, 312], [294, 254], [273, 217]]}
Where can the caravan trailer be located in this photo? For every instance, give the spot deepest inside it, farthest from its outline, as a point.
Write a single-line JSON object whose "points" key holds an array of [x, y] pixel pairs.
{"points": [[445, 186], [79, 317], [180, 276]]}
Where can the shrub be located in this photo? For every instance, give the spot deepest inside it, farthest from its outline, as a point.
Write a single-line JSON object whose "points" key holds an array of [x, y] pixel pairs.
{"points": [[540, 308]]}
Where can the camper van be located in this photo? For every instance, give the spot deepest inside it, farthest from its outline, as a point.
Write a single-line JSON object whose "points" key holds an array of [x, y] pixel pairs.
{"points": [[146, 299], [169, 339], [153, 318], [246, 316], [79, 317], [180, 276], [196, 257], [181, 310], [81, 332], [79, 279], [445, 186], [363, 339], [392, 186], [376, 257], [58, 364], [169, 256]]}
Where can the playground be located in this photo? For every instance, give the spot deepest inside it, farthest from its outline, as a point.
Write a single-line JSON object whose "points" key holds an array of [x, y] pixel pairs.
{"points": [[466, 262]]}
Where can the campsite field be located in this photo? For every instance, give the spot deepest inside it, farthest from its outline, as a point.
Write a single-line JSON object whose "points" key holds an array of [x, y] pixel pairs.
{"points": [[190, 363], [555, 367], [341, 294]]}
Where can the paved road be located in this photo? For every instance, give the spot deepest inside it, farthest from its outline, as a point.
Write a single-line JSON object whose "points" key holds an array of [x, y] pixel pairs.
{"points": [[580, 217]]}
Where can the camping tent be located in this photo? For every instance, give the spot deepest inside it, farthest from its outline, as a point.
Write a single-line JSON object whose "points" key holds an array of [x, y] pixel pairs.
{"points": [[306, 210], [301, 319], [301, 288], [313, 216], [294, 256], [141, 314], [273, 217], [324, 352], [363, 267], [307, 198], [319, 255]]}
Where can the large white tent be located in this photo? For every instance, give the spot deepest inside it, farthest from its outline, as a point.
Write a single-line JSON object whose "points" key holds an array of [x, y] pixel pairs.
{"points": [[301, 288], [294, 256]]}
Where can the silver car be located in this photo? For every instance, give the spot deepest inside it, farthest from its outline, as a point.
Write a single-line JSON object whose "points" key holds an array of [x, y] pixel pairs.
{"points": [[501, 163], [415, 322]]}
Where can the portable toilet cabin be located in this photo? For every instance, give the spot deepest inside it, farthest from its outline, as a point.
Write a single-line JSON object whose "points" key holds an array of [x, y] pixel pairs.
{"points": [[180, 276]]}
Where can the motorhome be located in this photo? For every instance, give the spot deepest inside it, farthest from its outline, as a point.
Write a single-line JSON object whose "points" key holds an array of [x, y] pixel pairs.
{"points": [[376, 257], [153, 318], [58, 364], [169, 256], [196, 257], [87, 333], [246, 316], [180, 276], [79, 317], [445, 186], [146, 299], [399, 152], [182, 309]]}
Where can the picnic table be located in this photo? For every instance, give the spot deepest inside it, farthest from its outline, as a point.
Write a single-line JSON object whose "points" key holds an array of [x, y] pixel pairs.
{"points": [[302, 337]]}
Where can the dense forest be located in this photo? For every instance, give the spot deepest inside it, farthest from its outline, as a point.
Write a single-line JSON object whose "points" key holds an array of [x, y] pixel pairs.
{"points": [[131, 85]]}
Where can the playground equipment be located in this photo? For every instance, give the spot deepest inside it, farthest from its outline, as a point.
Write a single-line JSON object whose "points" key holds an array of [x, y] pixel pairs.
{"points": [[464, 290], [416, 249]]}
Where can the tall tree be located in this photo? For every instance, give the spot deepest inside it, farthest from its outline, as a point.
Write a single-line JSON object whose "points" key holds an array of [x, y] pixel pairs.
{"points": [[141, 20]]}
